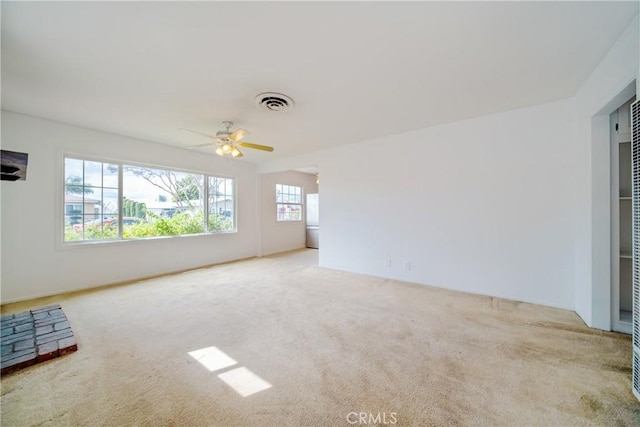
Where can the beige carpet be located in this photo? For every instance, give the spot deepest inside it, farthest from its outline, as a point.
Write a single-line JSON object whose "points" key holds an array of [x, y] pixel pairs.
{"points": [[329, 344]]}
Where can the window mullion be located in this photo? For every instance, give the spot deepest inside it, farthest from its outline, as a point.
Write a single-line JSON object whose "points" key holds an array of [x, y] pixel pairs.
{"points": [[205, 203], [120, 200], [84, 192]]}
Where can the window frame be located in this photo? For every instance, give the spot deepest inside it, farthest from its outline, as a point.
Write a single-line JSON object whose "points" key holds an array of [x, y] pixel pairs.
{"points": [[61, 193], [279, 203]]}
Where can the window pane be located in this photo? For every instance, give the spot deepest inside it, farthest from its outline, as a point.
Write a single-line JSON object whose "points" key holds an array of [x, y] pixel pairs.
{"points": [[288, 203], [110, 175], [86, 204], [92, 201], [221, 204], [99, 228], [92, 174], [289, 212], [110, 203], [73, 168], [160, 202]]}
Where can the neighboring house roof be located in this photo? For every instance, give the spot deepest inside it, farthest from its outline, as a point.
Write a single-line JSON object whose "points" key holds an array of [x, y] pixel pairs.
{"points": [[150, 204], [74, 198]]}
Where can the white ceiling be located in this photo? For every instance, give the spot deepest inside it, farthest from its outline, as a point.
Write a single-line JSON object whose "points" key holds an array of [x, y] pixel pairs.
{"points": [[356, 70]]}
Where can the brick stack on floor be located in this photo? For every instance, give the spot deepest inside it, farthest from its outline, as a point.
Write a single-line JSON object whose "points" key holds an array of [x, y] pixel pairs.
{"points": [[35, 336]]}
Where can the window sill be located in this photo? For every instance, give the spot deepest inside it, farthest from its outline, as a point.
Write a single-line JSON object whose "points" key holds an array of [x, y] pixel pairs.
{"points": [[97, 243]]}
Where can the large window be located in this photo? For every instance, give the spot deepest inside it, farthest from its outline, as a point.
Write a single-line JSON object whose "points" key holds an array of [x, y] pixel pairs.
{"points": [[108, 201], [288, 203]]}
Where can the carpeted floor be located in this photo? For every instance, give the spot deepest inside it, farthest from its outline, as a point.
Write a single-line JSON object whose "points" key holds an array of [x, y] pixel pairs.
{"points": [[327, 347]]}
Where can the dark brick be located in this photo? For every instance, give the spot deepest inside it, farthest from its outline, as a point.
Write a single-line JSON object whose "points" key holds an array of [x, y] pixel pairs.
{"points": [[24, 327], [18, 363], [44, 330], [16, 337], [47, 351], [46, 308], [17, 354], [67, 345], [6, 331], [61, 325], [39, 316], [65, 333], [47, 321], [22, 314], [56, 313], [23, 345], [6, 349], [5, 318], [16, 322], [50, 320]]}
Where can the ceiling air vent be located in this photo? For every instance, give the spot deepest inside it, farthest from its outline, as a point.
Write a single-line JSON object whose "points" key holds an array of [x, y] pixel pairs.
{"points": [[272, 101]]}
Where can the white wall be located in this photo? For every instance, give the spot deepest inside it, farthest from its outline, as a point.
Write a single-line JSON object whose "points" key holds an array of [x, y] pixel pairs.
{"points": [[34, 264], [515, 204], [282, 236], [608, 87], [483, 205]]}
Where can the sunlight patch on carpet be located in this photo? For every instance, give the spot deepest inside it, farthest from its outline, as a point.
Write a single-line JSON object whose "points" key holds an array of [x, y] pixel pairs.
{"points": [[244, 381], [212, 358], [240, 379]]}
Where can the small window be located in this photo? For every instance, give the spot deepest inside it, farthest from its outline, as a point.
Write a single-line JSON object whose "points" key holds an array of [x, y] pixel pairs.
{"points": [[288, 203]]}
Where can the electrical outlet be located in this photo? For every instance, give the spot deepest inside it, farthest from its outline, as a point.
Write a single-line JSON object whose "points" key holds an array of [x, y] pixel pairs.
{"points": [[407, 265]]}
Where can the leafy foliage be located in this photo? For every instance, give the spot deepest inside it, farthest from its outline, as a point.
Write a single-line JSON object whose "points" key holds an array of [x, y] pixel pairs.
{"points": [[134, 209], [179, 224], [187, 189], [74, 185]]}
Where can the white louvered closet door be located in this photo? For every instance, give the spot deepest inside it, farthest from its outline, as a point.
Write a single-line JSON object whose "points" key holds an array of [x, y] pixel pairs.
{"points": [[635, 155]]}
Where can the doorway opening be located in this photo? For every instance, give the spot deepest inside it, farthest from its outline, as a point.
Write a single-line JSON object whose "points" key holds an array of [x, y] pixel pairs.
{"points": [[621, 219]]}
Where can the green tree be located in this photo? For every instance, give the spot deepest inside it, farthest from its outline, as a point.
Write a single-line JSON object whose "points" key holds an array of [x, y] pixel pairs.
{"points": [[187, 189], [74, 185], [183, 191], [141, 210], [162, 198], [132, 208]]}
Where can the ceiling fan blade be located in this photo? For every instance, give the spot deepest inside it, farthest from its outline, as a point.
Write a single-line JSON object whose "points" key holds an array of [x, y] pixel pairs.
{"points": [[199, 133], [240, 154], [238, 135], [256, 146], [208, 144]]}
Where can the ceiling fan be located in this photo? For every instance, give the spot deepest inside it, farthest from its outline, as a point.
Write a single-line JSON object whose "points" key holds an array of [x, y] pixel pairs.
{"points": [[228, 142]]}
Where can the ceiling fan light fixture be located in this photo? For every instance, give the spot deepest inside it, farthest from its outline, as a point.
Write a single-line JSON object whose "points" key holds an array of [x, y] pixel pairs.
{"points": [[227, 142]]}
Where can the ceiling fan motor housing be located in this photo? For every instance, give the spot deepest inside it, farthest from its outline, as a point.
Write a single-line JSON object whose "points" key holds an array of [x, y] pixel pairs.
{"points": [[223, 135]]}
